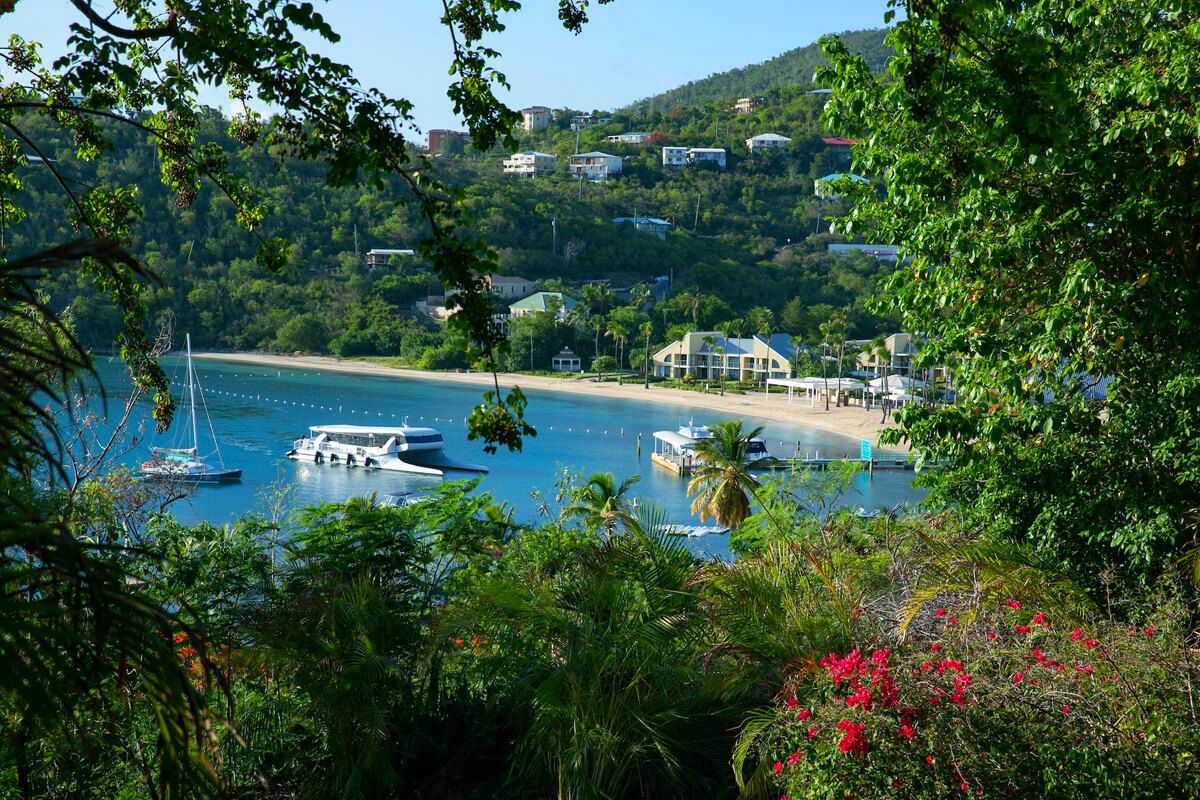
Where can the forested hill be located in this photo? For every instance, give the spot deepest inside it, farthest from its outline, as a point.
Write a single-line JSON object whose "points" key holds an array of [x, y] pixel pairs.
{"points": [[793, 68]]}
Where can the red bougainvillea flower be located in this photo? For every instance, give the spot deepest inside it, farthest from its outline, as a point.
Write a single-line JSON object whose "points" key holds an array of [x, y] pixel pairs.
{"points": [[991, 634], [1021, 628], [935, 648], [896, 784], [928, 759], [853, 741], [1066, 709], [1076, 634], [1013, 604], [1090, 643], [791, 702], [1039, 619], [813, 731], [793, 758], [778, 768], [1086, 669], [907, 731], [804, 714], [1150, 629], [1018, 677], [965, 787], [941, 612], [953, 621]]}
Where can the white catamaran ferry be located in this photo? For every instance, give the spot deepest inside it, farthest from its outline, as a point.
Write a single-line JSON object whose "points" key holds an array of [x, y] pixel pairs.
{"points": [[404, 448], [675, 450]]}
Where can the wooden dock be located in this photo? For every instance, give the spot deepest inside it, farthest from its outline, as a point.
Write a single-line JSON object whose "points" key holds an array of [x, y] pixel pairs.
{"points": [[894, 464]]}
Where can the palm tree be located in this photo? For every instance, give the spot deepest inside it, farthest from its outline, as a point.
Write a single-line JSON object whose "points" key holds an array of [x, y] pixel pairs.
{"points": [[826, 330], [723, 481], [689, 301], [619, 334], [878, 348], [596, 322], [838, 328], [601, 503], [647, 330], [639, 295]]}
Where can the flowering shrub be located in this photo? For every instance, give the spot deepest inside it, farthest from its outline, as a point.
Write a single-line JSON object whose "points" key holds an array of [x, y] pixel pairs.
{"points": [[1012, 707]]}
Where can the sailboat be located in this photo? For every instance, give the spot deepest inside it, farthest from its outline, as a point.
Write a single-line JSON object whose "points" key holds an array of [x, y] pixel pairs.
{"points": [[184, 463]]}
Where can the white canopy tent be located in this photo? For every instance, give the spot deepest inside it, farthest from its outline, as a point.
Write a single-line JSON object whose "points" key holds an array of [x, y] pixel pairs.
{"points": [[900, 383], [812, 387]]}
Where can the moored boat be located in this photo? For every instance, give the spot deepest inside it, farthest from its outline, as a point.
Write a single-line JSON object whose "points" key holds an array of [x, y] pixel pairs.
{"points": [[403, 448], [185, 463], [675, 450]]}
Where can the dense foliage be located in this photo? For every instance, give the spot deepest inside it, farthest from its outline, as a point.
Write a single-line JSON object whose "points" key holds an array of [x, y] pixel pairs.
{"points": [[1042, 164]]}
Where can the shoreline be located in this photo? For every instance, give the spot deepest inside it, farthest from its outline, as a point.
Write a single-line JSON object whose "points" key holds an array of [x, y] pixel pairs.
{"points": [[853, 422]]}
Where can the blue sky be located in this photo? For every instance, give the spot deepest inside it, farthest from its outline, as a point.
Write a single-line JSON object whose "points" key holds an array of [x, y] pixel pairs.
{"points": [[629, 50]]}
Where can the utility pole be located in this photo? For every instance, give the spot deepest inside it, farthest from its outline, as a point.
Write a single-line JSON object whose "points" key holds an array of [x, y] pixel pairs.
{"points": [[554, 230], [191, 245], [577, 141], [356, 255], [696, 221]]}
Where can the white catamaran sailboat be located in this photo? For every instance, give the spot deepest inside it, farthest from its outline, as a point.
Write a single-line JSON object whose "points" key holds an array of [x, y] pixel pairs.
{"points": [[184, 463]]}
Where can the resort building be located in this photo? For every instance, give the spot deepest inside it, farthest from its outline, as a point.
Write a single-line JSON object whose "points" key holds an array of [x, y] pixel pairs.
{"points": [[901, 349], [535, 117], [767, 141], [439, 136], [543, 301], [748, 105], [530, 164], [594, 166], [753, 358], [380, 258]]}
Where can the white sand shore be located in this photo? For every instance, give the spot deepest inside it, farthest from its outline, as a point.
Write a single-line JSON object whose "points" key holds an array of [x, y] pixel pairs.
{"points": [[854, 422]]}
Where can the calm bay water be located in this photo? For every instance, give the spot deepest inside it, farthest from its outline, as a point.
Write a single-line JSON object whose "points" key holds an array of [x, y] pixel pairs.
{"points": [[258, 411]]}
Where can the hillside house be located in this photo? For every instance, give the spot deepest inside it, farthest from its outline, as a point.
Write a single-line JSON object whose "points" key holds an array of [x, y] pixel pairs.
{"points": [[654, 225], [381, 258], [530, 164], [674, 156], [766, 142], [748, 105], [535, 117], [594, 166], [439, 136]]}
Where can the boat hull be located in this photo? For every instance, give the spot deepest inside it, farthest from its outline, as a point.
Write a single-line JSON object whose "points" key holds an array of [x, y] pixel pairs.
{"points": [[216, 476], [385, 463]]}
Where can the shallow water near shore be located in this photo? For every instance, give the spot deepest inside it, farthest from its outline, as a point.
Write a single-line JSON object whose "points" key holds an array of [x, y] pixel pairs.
{"points": [[257, 412]]}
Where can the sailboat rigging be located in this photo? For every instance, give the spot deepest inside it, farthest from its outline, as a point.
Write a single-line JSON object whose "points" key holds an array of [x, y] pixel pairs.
{"points": [[184, 463]]}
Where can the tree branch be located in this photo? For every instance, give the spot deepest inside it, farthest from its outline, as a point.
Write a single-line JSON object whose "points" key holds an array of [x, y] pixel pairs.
{"points": [[103, 24]]}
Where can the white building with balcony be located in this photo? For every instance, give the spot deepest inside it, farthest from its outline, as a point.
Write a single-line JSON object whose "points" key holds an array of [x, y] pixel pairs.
{"points": [[752, 358], [767, 141], [674, 156], [530, 164], [594, 166], [707, 155]]}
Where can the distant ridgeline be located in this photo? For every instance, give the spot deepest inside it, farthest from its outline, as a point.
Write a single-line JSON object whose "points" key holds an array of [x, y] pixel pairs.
{"points": [[747, 231], [789, 70]]}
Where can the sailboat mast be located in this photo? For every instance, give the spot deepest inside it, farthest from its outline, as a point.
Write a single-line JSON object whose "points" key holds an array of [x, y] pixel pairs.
{"points": [[192, 394]]}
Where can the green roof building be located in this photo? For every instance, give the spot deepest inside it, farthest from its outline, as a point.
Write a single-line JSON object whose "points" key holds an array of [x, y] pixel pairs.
{"points": [[542, 301]]}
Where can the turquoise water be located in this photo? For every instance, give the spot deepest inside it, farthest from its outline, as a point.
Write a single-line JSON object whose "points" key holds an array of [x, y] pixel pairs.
{"points": [[258, 412]]}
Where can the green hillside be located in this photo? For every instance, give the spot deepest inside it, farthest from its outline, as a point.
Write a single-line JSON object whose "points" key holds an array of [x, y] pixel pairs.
{"points": [[791, 69], [749, 238]]}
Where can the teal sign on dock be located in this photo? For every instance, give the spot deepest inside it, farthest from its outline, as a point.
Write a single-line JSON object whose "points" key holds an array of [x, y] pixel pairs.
{"points": [[865, 451]]}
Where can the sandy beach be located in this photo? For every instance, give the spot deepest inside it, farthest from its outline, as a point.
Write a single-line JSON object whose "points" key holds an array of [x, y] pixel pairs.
{"points": [[854, 422]]}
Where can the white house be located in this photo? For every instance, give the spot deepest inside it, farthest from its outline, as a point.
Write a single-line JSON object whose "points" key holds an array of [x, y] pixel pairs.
{"points": [[380, 258], [543, 301], [594, 166], [509, 287], [530, 164], [767, 141], [637, 137], [674, 156], [699, 155], [535, 117]]}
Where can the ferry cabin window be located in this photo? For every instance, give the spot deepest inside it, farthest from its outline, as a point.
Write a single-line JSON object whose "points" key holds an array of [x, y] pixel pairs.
{"points": [[378, 440]]}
